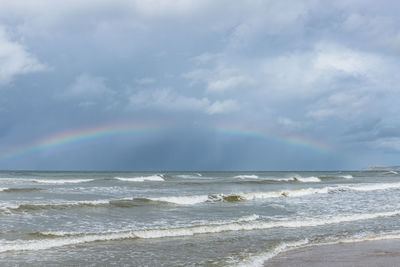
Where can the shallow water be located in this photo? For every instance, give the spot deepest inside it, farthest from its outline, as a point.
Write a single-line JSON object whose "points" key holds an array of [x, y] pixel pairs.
{"points": [[184, 218]]}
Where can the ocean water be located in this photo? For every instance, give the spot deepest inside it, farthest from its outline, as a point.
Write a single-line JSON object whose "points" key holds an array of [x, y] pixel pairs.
{"points": [[188, 218]]}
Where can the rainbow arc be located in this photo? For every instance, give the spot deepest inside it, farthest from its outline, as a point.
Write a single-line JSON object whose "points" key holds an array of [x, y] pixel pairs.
{"points": [[98, 132]]}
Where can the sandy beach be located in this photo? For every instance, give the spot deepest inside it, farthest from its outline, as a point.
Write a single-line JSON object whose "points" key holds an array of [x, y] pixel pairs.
{"points": [[368, 253]]}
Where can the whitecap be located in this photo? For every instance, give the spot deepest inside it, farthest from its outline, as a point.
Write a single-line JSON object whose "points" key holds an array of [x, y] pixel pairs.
{"points": [[311, 179], [391, 172], [183, 200], [246, 176], [60, 181], [43, 206], [259, 260], [154, 178], [373, 187], [63, 238], [189, 176], [349, 176]]}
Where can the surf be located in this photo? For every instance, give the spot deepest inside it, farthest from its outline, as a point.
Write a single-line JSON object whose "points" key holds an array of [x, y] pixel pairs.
{"points": [[153, 178], [250, 223]]}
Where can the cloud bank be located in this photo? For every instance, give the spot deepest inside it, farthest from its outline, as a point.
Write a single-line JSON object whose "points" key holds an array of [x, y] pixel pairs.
{"points": [[325, 72]]}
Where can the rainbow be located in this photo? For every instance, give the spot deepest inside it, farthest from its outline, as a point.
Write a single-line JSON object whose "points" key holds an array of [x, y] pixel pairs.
{"points": [[70, 137]]}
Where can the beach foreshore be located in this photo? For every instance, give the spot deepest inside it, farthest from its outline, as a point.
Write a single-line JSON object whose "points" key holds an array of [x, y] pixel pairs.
{"points": [[367, 253]]}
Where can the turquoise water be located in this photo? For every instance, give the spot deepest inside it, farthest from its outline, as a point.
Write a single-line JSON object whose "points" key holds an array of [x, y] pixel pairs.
{"points": [[188, 218]]}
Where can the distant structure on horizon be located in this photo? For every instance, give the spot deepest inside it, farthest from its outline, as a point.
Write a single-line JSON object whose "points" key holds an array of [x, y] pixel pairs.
{"points": [[382, 168]]}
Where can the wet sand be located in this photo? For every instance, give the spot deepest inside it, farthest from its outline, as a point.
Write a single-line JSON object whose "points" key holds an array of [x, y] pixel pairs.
{"points": [[368, 253]]}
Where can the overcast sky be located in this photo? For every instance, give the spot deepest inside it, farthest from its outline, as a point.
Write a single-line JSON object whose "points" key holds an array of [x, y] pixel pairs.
{"points": [[323, 71]]}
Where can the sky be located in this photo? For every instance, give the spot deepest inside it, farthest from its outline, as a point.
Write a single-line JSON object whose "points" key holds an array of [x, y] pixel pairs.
{"points": [[199, 84]]}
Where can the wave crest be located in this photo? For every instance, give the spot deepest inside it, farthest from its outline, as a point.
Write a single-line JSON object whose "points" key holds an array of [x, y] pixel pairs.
{"points": [[198, 199], [16, 190], [182, 200], [311, 179], [156, 178], [391, 172], [246, 176], [61, 181], [45, 206], [56, 239]]}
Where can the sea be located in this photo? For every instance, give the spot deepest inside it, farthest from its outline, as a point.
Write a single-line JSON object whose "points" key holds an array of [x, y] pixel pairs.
{"points": [[188, 218]]}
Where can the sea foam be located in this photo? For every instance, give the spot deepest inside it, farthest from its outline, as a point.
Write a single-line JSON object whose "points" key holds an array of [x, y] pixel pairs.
{"points": [[248, 176], [373, 187], [19, 190], [198, 199], [251, 223], [60, 181], [183, 200], [45, 206], [156, 178], [259, 260], [391, 172], [190, 176], [311, 179], [347, 176]]}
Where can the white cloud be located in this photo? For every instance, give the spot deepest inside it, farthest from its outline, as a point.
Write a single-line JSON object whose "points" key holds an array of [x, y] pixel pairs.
{"points": [[290, 74], [374, 30], [391, 143], [15, 59], [47, 16], [219, 79], [87, 88], [155, 8], [197, 76], [288, 123], [206, 58], [145, 81], [271, 18], [227, 83], [220, 107], [343, 105], [332, 57], [167, 99]]}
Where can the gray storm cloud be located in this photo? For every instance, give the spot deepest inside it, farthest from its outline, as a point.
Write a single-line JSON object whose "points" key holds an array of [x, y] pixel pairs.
{"points": [[326, 72]]}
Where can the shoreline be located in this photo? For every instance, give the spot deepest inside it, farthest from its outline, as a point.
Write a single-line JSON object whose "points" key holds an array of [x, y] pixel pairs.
{"points": [[366, 253]]}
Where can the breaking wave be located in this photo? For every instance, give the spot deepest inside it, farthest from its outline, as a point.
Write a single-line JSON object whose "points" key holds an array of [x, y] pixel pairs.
{"points": [[190, 200], [258, 180], [182, 200], [246, 176], [391, 172], [344, 176], [16, 190], [198, 199], [348, 176], [60, 181], [260, 259], [373, 187], [56, 239], [189, 176], [158, 178], [311, 179], [45, 206]]}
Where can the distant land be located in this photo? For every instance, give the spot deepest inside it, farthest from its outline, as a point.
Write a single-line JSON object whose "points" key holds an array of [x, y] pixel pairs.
{"points": [[382, 168]]}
